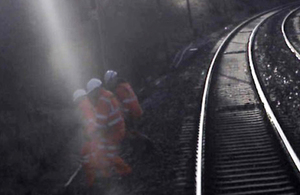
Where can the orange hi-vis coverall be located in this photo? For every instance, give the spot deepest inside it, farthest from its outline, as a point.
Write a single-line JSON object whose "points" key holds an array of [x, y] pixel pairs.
{"points": [[93, 157], [130, 104], [111, 125], [90, 161]]}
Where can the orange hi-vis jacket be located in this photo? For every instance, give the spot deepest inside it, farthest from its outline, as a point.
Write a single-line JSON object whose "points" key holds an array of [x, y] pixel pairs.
{"points": [[110, 121], [130, 104], [111, 126]]}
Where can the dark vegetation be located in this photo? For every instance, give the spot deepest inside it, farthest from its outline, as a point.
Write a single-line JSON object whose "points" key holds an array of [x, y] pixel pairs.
{"points": [[139, 39]]}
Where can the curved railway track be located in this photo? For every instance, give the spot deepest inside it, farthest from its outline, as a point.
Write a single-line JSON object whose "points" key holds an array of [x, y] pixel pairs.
{"points": [[245, 150], [285, 34], [278, 69]]}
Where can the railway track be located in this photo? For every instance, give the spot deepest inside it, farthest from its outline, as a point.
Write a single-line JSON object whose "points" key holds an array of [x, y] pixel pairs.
{"points": [[245, 150], [277, 67], [287, 39]]}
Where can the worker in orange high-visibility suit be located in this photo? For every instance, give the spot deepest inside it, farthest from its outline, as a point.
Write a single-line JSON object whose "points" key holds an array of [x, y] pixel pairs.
{"points": [[110, 125], [92, 156], [131, 108], [124, 92]]}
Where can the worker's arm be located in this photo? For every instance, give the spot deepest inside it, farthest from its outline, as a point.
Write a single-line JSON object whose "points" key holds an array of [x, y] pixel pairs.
{"points": [[129, 101]]}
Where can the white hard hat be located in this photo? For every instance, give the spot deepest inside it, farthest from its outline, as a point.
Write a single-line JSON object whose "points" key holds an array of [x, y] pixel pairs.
{"points": [[93, 84], [78, 93], [109, 75]]}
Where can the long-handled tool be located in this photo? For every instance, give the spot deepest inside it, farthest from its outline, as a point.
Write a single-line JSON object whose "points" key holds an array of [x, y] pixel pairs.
{"points": [[73, 176]]}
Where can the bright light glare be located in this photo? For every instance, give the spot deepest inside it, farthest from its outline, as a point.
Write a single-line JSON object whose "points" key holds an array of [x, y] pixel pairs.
{"points": [[64, 61]]}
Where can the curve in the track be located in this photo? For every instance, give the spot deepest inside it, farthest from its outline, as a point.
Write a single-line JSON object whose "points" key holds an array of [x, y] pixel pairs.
{"points": [[243, 157], [286, 39]]}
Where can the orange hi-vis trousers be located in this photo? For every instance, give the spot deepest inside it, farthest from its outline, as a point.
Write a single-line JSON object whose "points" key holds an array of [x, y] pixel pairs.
{"points": [[110, 151], [102, 155]]}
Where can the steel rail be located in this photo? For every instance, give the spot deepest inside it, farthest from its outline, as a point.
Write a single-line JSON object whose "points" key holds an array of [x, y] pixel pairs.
{"points": [[284, 141], [286, 39], [204, 102]]}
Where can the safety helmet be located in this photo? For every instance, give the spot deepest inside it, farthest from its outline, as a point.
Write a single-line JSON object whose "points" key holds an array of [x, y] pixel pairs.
{"points": [[109, 75], [78, 93], [93, 84]]}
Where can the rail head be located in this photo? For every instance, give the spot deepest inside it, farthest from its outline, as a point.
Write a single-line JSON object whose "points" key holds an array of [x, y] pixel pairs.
{"points": [[277, 127], [204, 102], [286, 39]]}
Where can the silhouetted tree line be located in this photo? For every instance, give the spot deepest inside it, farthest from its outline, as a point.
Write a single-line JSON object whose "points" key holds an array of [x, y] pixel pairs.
{"points": [[141, 36]]}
